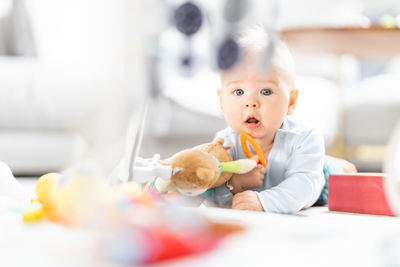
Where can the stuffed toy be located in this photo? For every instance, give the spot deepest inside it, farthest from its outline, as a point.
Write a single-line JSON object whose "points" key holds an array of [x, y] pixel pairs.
{"points": [[200, 168], [67, 199]]}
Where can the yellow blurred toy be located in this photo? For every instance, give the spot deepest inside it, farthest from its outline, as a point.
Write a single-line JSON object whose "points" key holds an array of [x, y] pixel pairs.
{"points": [[69, 200], [45, 188]]}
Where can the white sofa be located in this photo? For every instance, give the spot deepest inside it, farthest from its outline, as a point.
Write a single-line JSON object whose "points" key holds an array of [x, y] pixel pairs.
{"points": [[41, 107], [54, 84]]}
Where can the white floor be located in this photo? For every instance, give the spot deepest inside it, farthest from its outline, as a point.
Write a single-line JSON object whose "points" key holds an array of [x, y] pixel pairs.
{"points": [[311, 237]]}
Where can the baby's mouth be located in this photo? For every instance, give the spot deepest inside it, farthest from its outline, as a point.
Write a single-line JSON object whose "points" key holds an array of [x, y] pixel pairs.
{"points": [[252, 121]]}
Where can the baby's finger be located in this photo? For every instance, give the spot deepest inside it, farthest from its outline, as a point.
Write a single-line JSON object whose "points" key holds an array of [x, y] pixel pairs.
{"points": [[259, 166], [260, 170], [255, 158]]}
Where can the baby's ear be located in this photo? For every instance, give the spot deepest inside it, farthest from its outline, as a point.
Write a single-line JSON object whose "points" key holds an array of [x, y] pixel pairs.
{"points": [[219, 91], [294, 93]]}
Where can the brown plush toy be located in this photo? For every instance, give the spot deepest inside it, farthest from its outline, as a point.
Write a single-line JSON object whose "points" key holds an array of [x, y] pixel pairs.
{"points": [[203, 167]]}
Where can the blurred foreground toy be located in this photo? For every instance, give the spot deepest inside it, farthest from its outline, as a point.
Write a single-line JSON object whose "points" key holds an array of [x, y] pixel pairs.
{"points": [[147, 245], [45, 187], [70, 200], [149, 236], [132, 226], [200, 168]]}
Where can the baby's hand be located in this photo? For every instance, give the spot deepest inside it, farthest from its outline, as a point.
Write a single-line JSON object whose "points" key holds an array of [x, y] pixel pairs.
{"points": [[246, 200], [248, 180]]}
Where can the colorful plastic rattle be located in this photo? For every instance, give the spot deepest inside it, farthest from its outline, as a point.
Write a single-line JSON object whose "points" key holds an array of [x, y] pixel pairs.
{"points": [[244, 138]]}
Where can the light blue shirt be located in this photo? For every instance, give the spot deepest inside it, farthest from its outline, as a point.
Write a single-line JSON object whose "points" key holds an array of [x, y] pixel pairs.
{"points": [[294, 176]]}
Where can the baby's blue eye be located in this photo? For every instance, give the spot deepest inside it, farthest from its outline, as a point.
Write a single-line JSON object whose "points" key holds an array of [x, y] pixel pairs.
{"points": [[238, 92], [266, 91]]}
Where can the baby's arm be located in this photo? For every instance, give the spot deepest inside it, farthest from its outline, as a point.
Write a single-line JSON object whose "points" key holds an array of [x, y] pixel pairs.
{"points": [[242, 199], [221, 195], [246, 200], [303, 177], [250, 180]]}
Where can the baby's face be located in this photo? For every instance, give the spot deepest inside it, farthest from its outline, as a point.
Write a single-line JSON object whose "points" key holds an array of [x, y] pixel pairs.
{"points": [[255, 102]]}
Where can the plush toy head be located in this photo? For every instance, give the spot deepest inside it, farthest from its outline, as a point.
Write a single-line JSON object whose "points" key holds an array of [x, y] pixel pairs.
{"points": [[218, 150], [199, 168]]}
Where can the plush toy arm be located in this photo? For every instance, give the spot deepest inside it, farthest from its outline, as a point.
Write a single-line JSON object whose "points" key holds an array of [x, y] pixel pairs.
{"points": [[163, 186], [238, 166], [159, 184]]}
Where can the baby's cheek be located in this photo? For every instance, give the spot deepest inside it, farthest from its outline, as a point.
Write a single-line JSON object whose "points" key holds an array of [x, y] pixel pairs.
{"points": [[233, 119]]}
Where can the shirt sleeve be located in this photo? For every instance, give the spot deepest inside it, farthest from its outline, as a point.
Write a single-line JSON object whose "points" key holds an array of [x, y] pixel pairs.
{"points": [[303, 180]]}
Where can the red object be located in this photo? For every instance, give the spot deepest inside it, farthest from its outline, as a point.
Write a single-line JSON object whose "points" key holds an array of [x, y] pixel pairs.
{"points": [[165, 244], [359, 193], [169, 245]]}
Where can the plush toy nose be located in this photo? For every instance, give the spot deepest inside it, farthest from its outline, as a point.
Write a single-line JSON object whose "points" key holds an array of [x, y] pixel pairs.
{"points": [[191, 193]]}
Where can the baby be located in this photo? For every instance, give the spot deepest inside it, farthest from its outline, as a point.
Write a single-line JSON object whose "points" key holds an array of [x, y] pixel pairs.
{"points": [[260, 102]]}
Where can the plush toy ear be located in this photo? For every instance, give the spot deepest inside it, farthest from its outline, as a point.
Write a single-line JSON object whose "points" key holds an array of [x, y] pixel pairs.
{"points": [[219, 141], [204, 173], [175, 170]]}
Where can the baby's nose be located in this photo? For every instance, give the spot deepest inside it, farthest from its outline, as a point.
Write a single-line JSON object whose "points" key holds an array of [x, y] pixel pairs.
{"points": [[252, 104]]}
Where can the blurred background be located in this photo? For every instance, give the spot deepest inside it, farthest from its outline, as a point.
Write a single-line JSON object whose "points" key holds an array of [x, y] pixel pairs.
{"points": [[74, 76]]}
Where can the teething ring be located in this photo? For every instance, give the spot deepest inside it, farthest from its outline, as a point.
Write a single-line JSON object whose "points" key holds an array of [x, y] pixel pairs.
{"points": [[244, 138]]}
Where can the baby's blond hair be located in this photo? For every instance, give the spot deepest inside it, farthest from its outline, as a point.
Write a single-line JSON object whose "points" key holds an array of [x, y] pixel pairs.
{"points": [[253, 43]]}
